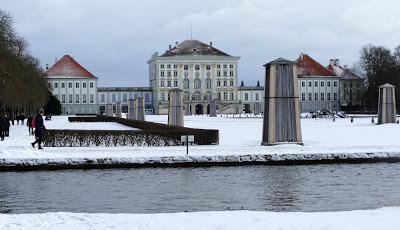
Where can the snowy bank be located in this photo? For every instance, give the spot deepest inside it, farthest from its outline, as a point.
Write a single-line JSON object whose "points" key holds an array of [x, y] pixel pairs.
{"points": [[325, 141], [384, 218]]}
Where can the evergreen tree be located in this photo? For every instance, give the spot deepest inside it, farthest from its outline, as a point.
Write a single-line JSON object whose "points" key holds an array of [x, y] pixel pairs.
{"points": [[53, 106]]}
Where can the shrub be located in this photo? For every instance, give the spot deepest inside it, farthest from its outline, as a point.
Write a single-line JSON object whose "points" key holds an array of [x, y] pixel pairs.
{"points": [[150, 134]]}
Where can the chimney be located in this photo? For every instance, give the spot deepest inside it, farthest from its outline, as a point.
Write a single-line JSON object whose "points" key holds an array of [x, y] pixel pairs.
{"points": [[332, 62], [336, 62], [211, 44], [47, 66]]}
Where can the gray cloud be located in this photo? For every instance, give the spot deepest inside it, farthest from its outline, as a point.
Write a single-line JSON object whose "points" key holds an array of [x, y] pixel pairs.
{"points": [[113, 39]]}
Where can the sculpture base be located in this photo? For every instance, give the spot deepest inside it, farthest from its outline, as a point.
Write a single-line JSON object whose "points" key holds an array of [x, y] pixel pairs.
{"points": [[280, 143]]}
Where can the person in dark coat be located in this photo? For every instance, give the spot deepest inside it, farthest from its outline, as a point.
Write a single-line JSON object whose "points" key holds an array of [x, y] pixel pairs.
{"points": [[7, 125], [2, 126], [22, 118], [40, 129], [29, 124]]}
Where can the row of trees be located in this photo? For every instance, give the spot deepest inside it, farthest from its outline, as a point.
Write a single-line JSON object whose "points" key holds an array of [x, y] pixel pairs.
{"points": [[379, 65], [22, 86]]}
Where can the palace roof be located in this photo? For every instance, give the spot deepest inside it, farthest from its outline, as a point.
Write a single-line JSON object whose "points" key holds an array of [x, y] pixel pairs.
{"points": [[68, 67]]}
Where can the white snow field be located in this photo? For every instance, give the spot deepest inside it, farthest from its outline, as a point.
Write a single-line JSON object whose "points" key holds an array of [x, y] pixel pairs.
{"points": [[240, 140], [379, 219]]}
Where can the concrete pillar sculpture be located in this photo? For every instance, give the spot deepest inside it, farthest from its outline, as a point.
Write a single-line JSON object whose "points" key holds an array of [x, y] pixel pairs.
{"points": [[175, 108], [281, 109], [139, 108], [386, 104], [131, 109], [213, 108], [109, 110], [118, 110], [257, 108]]}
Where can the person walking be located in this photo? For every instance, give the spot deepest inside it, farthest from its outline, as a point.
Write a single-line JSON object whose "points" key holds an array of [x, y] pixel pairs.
{"points": [[2, 126], [29, 124], [7, 125], [22, 118], [40, 129]]}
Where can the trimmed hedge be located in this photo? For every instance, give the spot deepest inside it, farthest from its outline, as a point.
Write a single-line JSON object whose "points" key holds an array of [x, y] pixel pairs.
{"points": [[150, 134]]}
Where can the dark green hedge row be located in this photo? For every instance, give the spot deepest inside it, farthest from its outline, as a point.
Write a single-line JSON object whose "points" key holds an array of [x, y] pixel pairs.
{"points": [[84, 138], [150, 134]]}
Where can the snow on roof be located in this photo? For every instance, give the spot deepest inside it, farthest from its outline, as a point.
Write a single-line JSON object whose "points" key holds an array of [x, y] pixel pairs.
{"points": [[68, 67], [193, 47]]}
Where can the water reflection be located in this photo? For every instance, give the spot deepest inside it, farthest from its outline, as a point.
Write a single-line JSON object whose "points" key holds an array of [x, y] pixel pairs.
{"points": [[277, 188]]}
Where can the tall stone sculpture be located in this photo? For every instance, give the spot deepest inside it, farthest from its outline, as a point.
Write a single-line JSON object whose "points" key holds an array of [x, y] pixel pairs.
{"points": [[109, 109], [281, 109], [131, 109], [213, 108], [118, 110], [386, 104], [175, 108], [139, 108]]}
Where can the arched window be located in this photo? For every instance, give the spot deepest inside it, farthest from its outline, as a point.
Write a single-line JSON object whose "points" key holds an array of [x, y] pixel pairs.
{"points": [[186, 96], [197, 84], [197, 95], [208, 96]]}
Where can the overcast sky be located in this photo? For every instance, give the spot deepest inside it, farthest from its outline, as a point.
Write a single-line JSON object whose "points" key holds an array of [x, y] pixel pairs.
{"points": [[114, 39]]}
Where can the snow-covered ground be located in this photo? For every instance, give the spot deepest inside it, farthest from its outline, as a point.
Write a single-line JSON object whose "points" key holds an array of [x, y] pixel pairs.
{"points": [[379, 219], [240, 140]]}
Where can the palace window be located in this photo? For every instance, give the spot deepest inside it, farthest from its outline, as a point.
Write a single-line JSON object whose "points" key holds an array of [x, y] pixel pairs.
{"points": [[328, 96], [103, 98], [175, 83], [84, 85], [322, 84], [335, 83], [218, 66], [91, 84], [197, 67], [175, 73], [309, 96], [225, 66], [246, 96], [186, 84], [208, 83], [168, 83], [69, 84], [303, 96], [322, 97], [162, 66], [186, 67], [225, 83], [63, 85], [91, 98], [231, 73], [303, 83], [77, 85], [162, 74], [257, 96], [84, 98], [169, 66], [316, 84], [197, 96], [169, 74], [208, 67], [316, 96], [232, 96], [63, 98], [231, 83], [77, 98], [175, 66], [329, 83], [208, 95], [231, 66], [309, 84], [114, 97], [124, 97], [162, 83], [219, 95], [70, 98], [225, 96], [335, 96], [186, 96], [197, 84], [225, 73], [218, 83], [218, 73], [55, 85], [162, 96]]}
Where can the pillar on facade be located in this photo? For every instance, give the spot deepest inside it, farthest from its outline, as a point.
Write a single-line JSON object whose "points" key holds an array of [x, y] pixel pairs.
{"points": [[187, 109], [109, 109], [213, 108], [131, 109], [281, 106], [118, 110], [257, 108], [139, 108], [386, 104], [175, 107]]}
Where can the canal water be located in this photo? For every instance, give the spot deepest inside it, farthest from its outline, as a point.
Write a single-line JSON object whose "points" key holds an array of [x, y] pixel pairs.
{"points": [[335, 187]]}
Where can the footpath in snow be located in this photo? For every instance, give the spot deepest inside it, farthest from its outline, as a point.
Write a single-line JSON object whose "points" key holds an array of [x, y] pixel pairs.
{"points": [[325, 141], [379, 219]]}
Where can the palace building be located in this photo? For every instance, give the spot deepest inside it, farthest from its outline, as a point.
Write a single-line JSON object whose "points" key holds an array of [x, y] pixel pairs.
{"points": [[204, 74]]}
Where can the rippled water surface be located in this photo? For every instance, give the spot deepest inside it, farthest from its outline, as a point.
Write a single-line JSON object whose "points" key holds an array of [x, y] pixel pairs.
{"points": [[151, 190]]}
